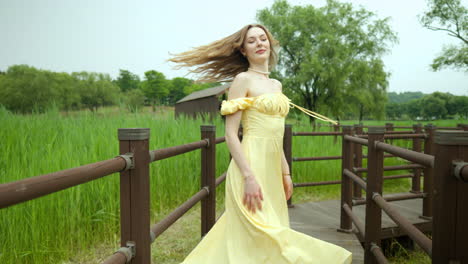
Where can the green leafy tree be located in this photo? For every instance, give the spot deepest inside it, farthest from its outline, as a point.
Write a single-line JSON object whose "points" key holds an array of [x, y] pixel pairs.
{"points": [[176, 89], [394, 111], [413, 108], [134, 100], [433, 107], [24, 88], [96, 89], [69, 97], [447, 100], [452, 17], [321, 48], [127, 81], [367, 89], [155, 87], [403, 97], [460, 103]]}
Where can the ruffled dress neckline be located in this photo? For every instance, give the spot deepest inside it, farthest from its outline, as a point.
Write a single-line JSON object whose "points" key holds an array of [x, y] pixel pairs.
{"points": [[266, 104]]}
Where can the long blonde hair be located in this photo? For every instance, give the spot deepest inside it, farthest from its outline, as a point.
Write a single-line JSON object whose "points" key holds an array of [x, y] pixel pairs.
{"points": [[222, 60]]}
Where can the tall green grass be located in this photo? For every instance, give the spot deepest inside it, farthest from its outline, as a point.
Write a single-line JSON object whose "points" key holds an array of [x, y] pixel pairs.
{"points": [[53, 228]]}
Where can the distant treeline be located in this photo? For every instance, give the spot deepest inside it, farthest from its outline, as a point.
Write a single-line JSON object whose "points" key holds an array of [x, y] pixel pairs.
{"points": [[416, 105], [26, 89]]}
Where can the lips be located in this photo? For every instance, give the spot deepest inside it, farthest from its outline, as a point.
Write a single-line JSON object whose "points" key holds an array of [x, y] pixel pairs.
{"points": [[260, 51]]}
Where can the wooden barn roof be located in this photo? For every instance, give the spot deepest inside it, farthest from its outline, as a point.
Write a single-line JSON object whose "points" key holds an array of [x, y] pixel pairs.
{"points": [[218, 90]]}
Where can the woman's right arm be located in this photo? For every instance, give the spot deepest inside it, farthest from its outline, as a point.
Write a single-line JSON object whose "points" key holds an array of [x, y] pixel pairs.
{"points": [[238, 89], [252, 191]]}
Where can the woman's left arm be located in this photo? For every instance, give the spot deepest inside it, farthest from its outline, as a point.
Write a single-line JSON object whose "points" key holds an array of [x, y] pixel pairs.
{"points": [[287, 182], [284, 165]]}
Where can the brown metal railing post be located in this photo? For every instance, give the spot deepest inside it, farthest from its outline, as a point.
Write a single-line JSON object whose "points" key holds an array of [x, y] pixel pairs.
{"points": [[135, 193], [374, 185], [357, 162], [346, 225], [336, 128], [388, 127], [239, 135], [241, 132], [416, 180], [429, 148], [449, 227], [287, 148], [208, 178]]}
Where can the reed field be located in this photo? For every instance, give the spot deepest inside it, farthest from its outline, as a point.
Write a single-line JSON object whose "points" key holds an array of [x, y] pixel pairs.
{"points": [[81, 224]]}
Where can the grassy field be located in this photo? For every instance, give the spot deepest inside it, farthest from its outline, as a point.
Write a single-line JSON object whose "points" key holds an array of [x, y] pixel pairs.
{"points": [[81, 224]]}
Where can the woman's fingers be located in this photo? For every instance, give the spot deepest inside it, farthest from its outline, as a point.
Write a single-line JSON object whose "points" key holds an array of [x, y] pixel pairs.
{"points": [[259, 203], [252, 203]]}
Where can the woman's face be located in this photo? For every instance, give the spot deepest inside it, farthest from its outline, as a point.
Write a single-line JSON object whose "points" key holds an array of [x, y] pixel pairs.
{"points": [[256, 44]]}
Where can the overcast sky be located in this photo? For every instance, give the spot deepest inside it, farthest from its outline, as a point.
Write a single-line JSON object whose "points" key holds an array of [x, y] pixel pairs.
{"points": [[108, 35]]}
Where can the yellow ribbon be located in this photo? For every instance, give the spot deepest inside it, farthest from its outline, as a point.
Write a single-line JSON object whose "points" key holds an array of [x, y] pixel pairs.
{"points": [[315, 115]]}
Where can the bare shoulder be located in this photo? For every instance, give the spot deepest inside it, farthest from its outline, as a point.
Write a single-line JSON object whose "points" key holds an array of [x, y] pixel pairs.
{"points": [[277, 84], [239, 86], [242, 76]]}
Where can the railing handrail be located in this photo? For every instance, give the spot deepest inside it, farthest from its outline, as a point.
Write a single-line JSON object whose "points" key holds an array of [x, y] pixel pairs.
{"points": [[422, 240], [23, 190], [446, 157], [416, 157]]}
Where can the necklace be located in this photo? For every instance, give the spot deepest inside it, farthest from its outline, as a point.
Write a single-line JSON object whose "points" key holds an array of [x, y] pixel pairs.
{"points": [[262, 72]]}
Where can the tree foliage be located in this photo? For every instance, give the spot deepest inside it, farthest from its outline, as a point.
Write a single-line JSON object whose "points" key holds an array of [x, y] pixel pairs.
{"points": [[177, 88], [96, 89], [449, 16], [331, 56], [127, 81], [155, 87], [134, 99], [403, 97], [437, 105], [25, 89]]}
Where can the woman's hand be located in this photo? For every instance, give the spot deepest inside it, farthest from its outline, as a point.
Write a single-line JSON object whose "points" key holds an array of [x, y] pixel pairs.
{"points": [[288, 186], [253, 195]]}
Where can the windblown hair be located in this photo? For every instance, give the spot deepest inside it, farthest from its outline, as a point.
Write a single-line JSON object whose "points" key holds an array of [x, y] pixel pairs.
{"points": [[222, 60]]}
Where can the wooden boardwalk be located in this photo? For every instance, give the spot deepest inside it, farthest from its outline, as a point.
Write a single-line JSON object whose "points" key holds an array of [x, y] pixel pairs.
{"points": [[322, 219]]}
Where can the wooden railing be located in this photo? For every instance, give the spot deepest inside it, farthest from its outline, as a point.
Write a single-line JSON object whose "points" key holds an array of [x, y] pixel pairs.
{"points": [[136, 234], [133, 164], [442, 150], [416, 135]]}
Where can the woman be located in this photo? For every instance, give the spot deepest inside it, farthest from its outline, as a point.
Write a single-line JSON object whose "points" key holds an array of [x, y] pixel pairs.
{"points": [[255, 225]]}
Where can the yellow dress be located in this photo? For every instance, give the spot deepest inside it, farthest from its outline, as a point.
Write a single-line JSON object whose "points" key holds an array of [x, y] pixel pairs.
{"points": [[242, 237]]}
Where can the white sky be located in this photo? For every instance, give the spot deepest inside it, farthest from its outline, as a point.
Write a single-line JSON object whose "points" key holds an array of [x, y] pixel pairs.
{"points": [[108, 35]]}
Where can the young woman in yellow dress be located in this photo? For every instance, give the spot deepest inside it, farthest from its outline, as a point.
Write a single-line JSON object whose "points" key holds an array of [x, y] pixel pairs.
{"points": [[255, 225]]}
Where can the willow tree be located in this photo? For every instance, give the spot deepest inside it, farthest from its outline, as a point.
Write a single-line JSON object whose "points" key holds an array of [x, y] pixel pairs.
{"points": [[330, 55], [449, 16]]}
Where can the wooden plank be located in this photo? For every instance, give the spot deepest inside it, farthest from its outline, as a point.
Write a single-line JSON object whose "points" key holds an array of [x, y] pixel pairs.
{"points": [[321, 220]]}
